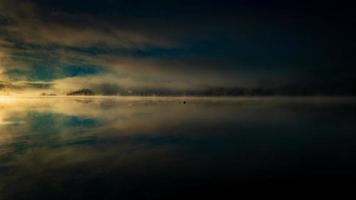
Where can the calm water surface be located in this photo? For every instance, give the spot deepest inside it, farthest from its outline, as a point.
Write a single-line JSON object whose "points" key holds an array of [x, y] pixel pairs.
{"points": [[148, 148]]}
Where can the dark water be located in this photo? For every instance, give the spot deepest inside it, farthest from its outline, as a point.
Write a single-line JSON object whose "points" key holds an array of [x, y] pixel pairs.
{"points": [[146, 148]]}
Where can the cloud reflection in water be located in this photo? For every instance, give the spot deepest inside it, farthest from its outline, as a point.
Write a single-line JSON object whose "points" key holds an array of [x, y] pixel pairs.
{"points": [[68, 147]]}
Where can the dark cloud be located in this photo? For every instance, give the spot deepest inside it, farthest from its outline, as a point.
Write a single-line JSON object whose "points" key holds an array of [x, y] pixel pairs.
{"points": [[183, 42]]}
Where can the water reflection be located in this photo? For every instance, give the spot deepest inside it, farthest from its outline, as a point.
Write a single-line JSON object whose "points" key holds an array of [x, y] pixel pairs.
{"points": [[70, 148]]}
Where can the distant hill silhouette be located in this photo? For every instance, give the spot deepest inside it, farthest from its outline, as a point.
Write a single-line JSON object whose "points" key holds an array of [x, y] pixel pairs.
{"points": [[288, 90], [48, 94], [86, 92]]}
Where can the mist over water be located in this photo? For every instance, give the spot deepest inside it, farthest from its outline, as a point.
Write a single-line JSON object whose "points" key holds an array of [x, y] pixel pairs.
{"points": [[105, 148]]}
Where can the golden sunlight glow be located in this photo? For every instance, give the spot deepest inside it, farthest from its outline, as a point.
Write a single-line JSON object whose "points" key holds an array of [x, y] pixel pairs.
{"points": [[6, 99]]}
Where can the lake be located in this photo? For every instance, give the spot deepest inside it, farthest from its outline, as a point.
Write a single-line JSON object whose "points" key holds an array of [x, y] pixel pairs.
{"points": [[158, 147]]}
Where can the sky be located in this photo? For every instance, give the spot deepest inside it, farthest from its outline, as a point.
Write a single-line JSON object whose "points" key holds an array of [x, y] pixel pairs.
{"points": [[109, 45]]}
